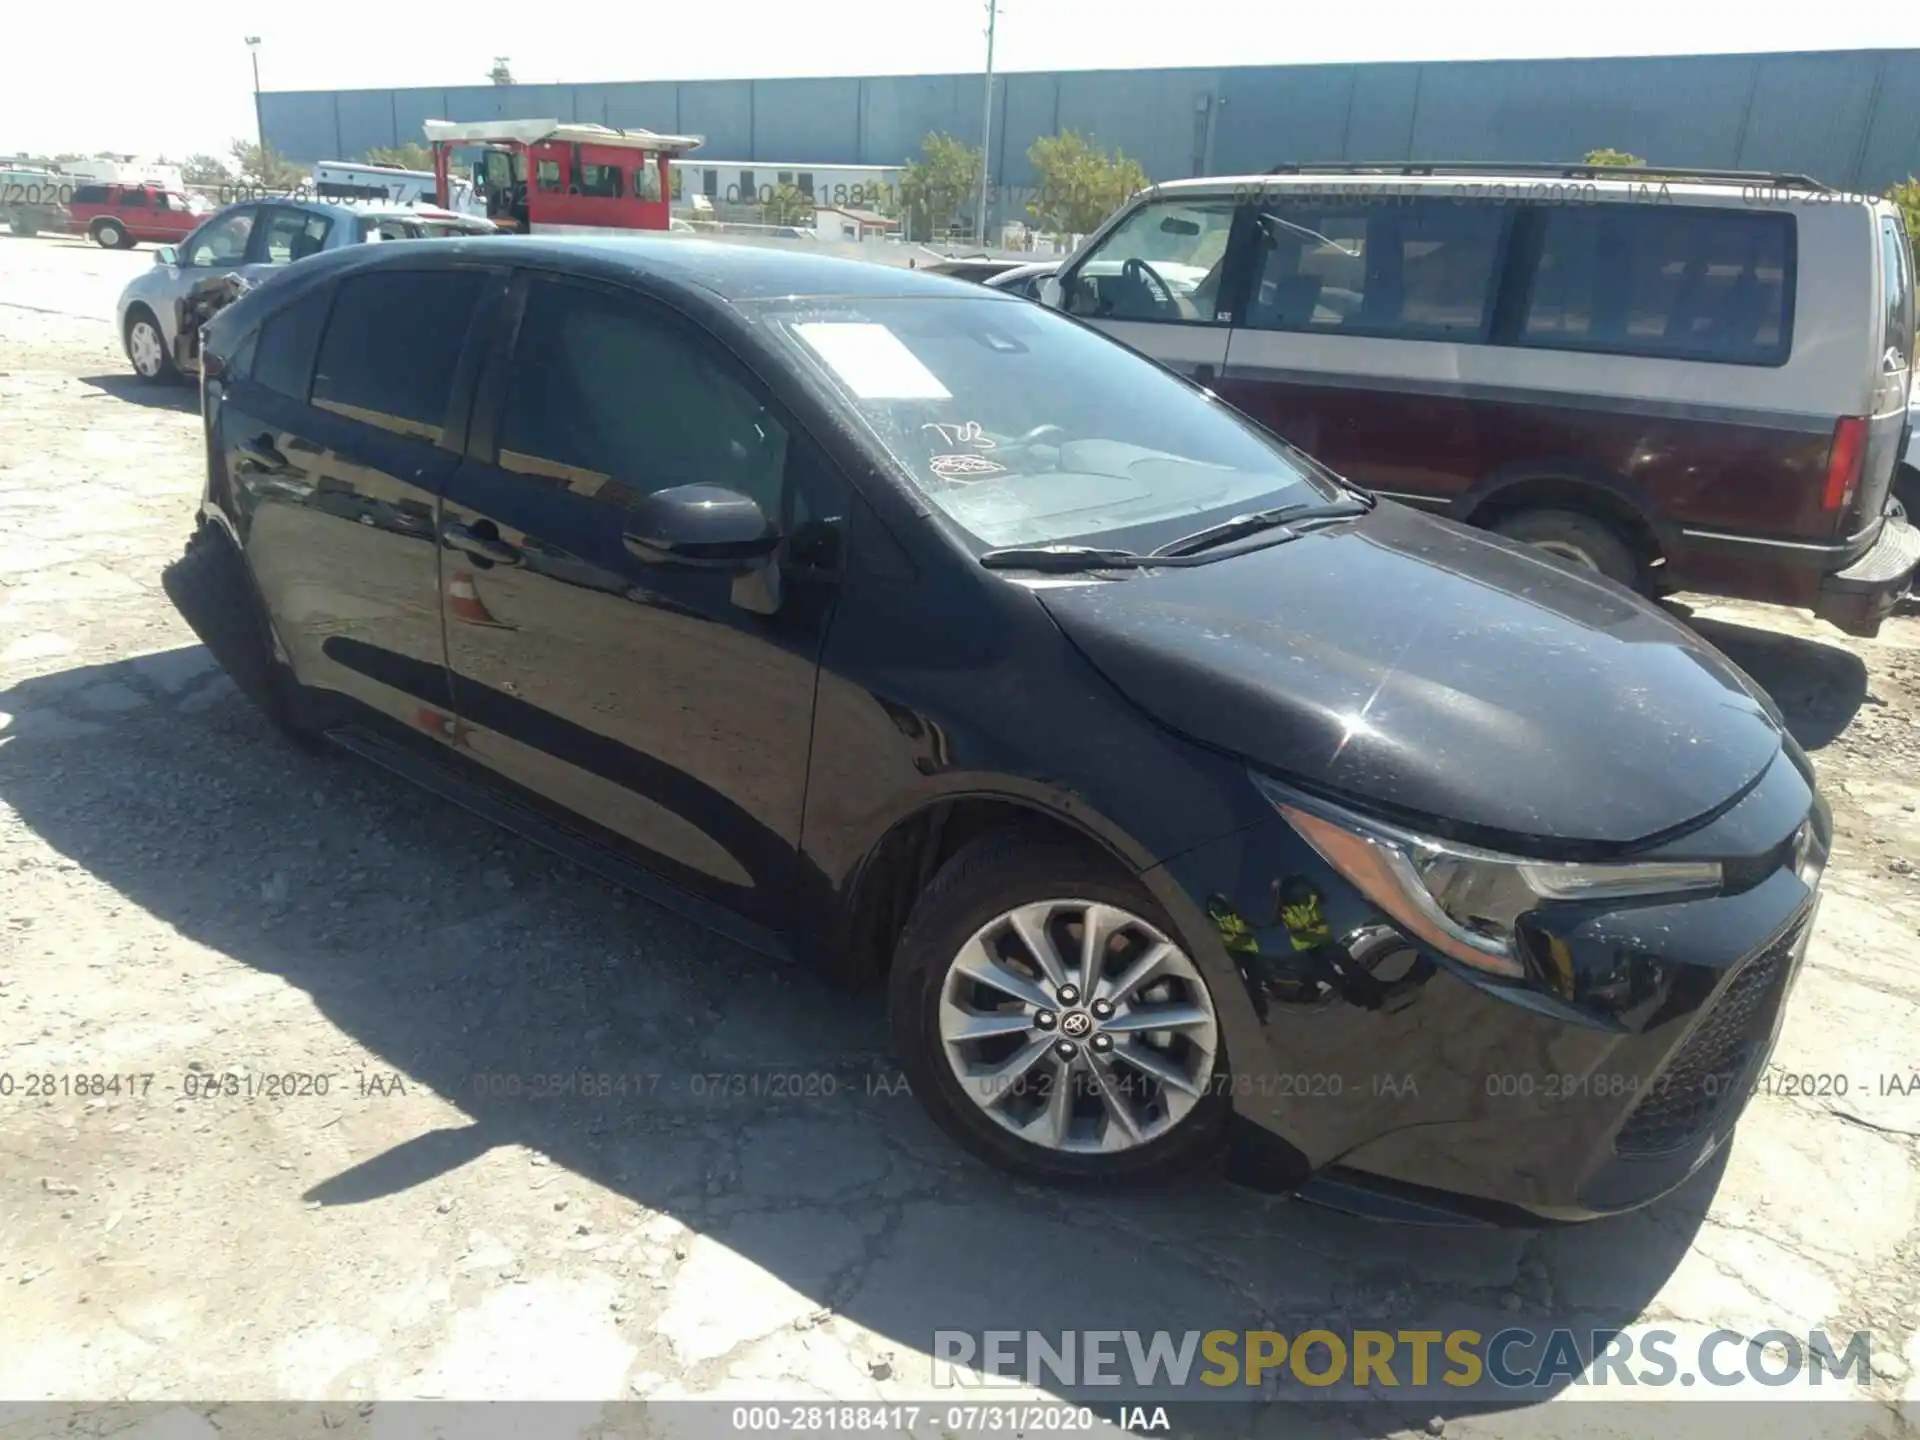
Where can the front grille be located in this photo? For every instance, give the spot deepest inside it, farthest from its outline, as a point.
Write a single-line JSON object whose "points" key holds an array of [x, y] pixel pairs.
{"points": [[1700, 1082]]}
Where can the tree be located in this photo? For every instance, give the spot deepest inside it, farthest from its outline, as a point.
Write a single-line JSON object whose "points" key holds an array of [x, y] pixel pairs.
{"points": [[1608, 156], [264, 169], [788, 205], [500, 74], [937, 187], [402, 157], [204, 170], [1080, 185], [1906, 196]]}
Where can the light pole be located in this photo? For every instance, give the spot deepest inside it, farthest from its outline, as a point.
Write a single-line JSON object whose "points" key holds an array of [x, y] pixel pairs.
{"points": [[986, 130], [259, 119]]}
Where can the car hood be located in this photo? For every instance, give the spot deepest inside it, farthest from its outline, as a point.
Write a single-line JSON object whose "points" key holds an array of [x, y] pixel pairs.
{"points": [[1439, 674]]}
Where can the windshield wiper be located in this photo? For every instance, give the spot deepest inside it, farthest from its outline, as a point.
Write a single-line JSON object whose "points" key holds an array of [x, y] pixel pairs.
{"points": [[1062, 558], [1254, 521]]}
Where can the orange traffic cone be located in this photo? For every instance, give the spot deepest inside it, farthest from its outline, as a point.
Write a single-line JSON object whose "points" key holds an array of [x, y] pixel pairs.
{"points": [[465, 604]]}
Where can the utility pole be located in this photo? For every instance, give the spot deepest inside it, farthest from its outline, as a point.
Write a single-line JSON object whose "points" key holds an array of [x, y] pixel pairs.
{"points": [[986, 130], [259, 118]]}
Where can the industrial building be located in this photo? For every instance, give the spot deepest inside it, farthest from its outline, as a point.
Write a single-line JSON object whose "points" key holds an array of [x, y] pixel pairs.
{"points": [[1849, 118]]}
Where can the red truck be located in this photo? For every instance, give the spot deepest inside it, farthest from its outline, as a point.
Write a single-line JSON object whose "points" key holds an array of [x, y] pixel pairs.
{"points": [[119, 217]]}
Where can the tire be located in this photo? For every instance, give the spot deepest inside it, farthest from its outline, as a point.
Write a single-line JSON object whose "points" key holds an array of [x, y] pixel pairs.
{"points": [[146, 347], [1906, 494], [1581, 541], [210, 587], [111, 235], [971, 897]]}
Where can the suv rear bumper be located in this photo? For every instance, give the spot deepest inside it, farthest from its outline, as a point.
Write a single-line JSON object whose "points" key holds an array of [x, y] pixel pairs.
{"points": [[1859, 597]]}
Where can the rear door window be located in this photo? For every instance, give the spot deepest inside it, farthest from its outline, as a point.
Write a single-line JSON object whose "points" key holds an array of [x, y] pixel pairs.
{"points": [[283, 357], [1422, 269], [294, 235], [392, 345], [1664, 282], [133, 199]]}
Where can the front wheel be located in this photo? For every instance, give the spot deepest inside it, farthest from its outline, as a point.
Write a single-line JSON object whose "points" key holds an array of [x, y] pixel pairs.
{"points": [[147, 348], [1050, 1022]]}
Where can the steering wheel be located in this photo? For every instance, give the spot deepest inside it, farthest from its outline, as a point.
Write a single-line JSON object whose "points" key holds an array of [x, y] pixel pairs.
{"points": [[1138, 272]]}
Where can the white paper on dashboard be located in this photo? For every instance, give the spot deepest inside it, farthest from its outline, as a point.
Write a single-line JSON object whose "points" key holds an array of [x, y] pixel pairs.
{"points": [[872, 361]]}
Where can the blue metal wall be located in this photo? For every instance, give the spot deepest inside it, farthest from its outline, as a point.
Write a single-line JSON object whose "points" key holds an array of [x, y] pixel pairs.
{"points": [[1850, 118]]}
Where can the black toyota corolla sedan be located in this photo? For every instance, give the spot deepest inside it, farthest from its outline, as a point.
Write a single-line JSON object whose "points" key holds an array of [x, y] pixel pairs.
{"points": [[1190, 802]]}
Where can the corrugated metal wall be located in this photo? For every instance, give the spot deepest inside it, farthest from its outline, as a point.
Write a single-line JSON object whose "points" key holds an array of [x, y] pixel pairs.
{"points": [[1850, 118]]}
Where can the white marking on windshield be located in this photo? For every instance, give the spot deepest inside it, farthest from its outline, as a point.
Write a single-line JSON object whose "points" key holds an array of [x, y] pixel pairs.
{"points": [[967, 433], [872, 361]]}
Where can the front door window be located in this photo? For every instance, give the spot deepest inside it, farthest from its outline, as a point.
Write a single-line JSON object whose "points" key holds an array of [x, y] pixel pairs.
{"points": [[1162, 263], [221, 241]]}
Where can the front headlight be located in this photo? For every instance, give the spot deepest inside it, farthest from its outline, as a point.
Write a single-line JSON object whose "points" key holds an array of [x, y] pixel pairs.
{"points": [[1462, 901]]}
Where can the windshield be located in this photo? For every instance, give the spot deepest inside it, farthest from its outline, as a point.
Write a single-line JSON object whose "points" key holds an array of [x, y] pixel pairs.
{"points": [[1027, 429]]}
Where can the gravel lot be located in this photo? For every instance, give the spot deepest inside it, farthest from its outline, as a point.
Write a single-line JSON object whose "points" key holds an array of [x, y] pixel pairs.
{"points": [[184, 896]]}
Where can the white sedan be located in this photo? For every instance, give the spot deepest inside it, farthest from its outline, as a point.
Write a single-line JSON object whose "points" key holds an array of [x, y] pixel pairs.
{"points": [[158, 313]]}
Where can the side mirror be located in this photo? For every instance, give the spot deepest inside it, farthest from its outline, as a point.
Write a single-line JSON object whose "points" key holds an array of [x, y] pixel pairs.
{"points": [[1052, 294], [700, 525], [167, 255]]}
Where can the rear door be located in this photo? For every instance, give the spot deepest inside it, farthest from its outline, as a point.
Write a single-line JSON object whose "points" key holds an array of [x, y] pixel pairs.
{"points": [[670, 706], [339, 444], [1159, 282]]}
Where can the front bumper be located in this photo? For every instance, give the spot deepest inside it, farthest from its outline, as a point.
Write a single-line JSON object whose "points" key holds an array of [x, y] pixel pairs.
{"points": [[1435, 1090], [1859, 597]]}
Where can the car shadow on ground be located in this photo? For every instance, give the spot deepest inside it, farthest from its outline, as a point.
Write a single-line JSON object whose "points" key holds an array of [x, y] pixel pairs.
{"points": [[732, 1092], [1818, 685], [177, 395]]}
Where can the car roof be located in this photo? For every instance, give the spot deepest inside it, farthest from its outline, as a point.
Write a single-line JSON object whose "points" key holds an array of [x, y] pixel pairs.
{"points": [[328, 208], [1492, 183], [732, 272]]}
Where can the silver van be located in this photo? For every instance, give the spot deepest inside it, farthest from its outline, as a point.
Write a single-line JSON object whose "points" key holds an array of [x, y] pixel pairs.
{"points": [[1683, 382]]}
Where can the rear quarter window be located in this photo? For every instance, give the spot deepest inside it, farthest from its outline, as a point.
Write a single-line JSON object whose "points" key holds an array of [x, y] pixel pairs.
{"points": [[90, 195], [1664, 282]]}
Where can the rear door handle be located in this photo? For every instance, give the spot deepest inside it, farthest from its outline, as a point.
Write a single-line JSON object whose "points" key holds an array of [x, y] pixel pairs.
{"points": [[259, 453], [485, 546]]}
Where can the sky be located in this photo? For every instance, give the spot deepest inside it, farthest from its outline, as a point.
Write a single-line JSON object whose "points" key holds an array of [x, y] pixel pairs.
{"points": [[151, 78]]}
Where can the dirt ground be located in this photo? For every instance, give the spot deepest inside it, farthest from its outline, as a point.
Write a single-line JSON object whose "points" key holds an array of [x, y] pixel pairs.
{"points": [[184, 897]]}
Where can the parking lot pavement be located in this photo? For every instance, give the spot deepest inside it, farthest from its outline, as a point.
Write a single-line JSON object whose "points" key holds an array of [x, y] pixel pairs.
{"points": [[732, 1195]]}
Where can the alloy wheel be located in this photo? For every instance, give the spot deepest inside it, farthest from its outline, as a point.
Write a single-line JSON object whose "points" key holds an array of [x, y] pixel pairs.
{"points": [[1078, 1026]]}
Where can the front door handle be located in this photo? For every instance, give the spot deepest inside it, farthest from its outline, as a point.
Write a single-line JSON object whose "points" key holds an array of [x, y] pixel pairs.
{"points": [[487, 547], [260, 453]]}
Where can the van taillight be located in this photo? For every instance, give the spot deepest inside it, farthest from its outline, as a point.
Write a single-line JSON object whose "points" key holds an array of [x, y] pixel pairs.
{"points": [[1844, 462]]}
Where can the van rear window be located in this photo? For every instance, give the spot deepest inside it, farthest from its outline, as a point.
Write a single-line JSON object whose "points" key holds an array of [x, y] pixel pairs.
{"points": [[1896, 328], [1683, 284]]}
